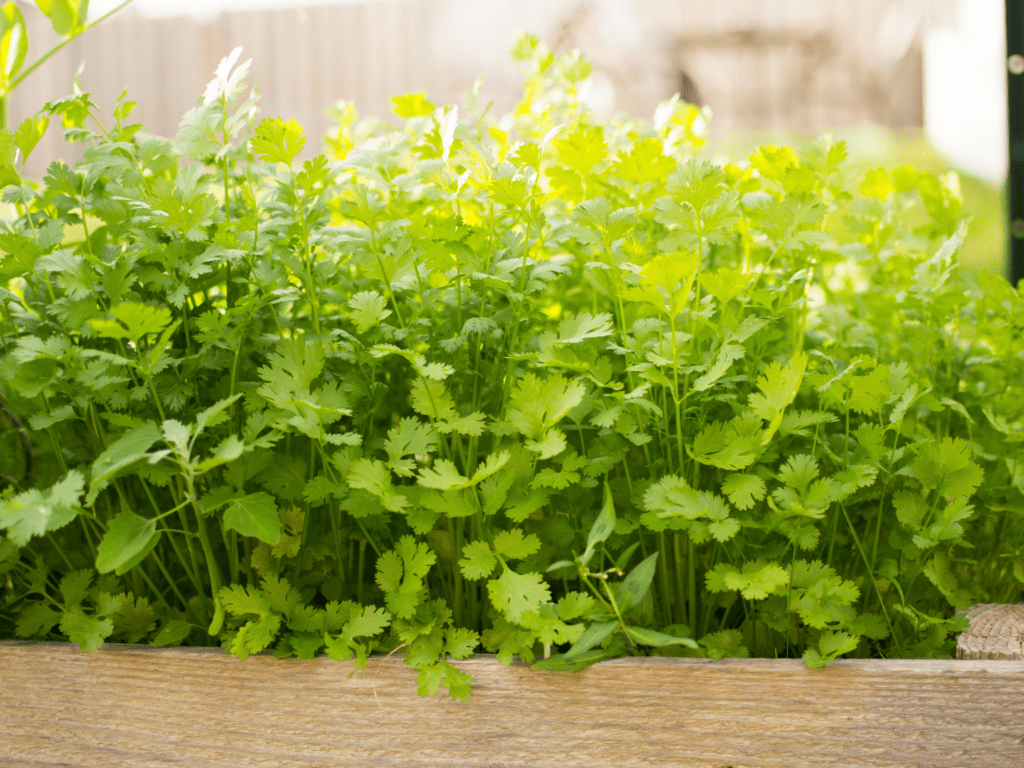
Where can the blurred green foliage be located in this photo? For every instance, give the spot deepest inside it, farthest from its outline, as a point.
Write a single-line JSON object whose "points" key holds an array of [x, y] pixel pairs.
{"points": [[874, 145]]}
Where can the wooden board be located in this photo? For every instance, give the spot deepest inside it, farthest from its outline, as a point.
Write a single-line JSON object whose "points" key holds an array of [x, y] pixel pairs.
{"points": [[142, 707]]}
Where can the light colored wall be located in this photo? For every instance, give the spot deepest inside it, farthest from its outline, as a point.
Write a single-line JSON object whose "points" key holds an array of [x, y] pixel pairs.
{"points": [[795, 63], [303, 61]]}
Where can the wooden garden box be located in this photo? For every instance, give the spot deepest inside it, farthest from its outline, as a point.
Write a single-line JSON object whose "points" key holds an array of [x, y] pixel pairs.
{"points": [[143, 707]]}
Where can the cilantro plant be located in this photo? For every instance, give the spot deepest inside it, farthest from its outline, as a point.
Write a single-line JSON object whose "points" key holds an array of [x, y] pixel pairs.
{"points": [[540, 386], [69, 19]]}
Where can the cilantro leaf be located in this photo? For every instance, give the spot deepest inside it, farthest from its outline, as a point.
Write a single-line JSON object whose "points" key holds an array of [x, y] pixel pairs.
{"points": [[513, 545], [34, 512], [89, 631], [410, 437], [743, 490], [443, 476], [755, 581], [400, 574], [946, 466], [277, 141], [478, 561], [514, 593], [574, 605]]}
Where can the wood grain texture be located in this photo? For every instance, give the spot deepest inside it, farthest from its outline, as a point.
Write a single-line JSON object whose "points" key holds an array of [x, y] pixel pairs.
{"points": [[996, 632], [142, 707]]}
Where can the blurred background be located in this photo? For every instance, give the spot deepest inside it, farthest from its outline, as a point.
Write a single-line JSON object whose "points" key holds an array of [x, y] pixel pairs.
{"points": [[902, 81]]}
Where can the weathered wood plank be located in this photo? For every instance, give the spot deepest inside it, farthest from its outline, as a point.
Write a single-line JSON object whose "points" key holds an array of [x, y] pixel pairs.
{"points": [[996, 632], [140, 706]]}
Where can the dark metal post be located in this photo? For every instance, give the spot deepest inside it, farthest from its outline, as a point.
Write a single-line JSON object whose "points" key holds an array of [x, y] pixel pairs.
{"points": [[1015, 94]]}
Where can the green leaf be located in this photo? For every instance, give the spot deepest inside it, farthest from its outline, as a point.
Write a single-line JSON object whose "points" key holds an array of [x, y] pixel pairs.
{"points": [[650, 637], [779, 387], [728, 446], [574, 329], [443, 476], [535, 404], [573, 605], [412, 105], [63, 15], [727, 643], [135, 619], [214, 415], [281, 595], [121, 454], [460, 642], [241, 600], [869, 393], [389, 571], [305, 644], [799, 471], [637, 583], [513, 545], [254, 636], [773, 162], [36, 619], [229, 449], [400, 574], [178, 435], [433, 676], [13, 44], [743, 490], [718, 369], [136, 320], [756, 581], [277, 141], [673, 272], [477, 560], [645, 162], [593, 635], [367, 310], [373, 476], [370, 621], [410, 437], [520, 506], [877, 184], [491, 466], [86, 630], [830, 646], [127, 541], [603, 525], [946, 466], [35, 512], [583, 148], [172, 633], [559, 663], [255, 515], [565, 183], [725, 284], [74, 586], [552, 444], [514, 593]]}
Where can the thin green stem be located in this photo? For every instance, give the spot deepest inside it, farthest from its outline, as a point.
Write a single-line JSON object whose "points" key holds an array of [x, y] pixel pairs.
{"points": [[42, 59]]}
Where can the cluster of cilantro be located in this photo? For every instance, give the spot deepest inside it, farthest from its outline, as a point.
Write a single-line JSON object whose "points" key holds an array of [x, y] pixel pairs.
{"points": [[540, 385]]}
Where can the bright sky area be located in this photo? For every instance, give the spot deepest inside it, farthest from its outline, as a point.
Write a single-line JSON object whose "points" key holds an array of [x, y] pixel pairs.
{"points": [[965, 80]]}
